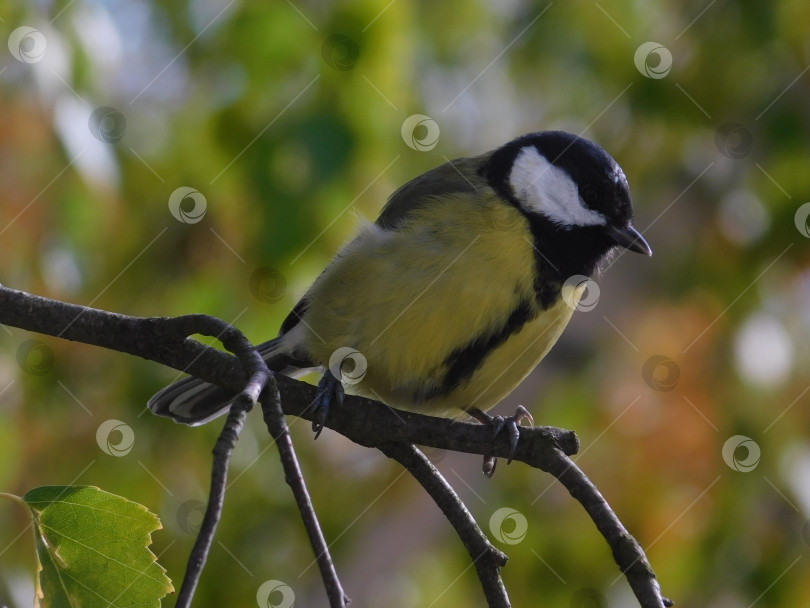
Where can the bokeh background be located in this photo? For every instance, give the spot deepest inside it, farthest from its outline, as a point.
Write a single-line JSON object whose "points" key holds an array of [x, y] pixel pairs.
{"points": [[287, 122]]}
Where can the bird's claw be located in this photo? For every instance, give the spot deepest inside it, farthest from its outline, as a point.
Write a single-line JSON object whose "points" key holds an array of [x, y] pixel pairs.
{"points": [[498, 424], [329, 389]]}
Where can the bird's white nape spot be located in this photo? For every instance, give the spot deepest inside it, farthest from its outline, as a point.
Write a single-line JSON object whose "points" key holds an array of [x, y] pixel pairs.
{"points": [[543, 188]]}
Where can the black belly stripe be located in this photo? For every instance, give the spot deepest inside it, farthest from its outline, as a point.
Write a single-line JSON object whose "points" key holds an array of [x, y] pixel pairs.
{"points": [[462, 362]]}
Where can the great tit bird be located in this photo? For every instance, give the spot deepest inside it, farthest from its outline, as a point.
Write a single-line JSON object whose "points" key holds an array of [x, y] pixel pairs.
{"points": [[462, 285]]}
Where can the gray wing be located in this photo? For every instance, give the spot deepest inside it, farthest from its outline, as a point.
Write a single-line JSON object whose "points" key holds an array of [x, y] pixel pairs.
{"points": [[457, 176]]}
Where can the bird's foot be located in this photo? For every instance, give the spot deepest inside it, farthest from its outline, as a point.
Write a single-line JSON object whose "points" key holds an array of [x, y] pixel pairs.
{"points": [[329, 390], [498, 424]]}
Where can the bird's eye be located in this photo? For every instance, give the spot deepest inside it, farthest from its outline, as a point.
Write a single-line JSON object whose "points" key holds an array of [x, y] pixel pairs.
{"points": [[589, 193]]}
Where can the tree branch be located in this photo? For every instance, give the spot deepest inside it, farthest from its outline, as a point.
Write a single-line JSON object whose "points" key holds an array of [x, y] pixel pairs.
{"points": [[148, 338], [626, 550], [280, 432], [488, 559], [255, 366], [373, 424], [166, 341], [364, 421]]}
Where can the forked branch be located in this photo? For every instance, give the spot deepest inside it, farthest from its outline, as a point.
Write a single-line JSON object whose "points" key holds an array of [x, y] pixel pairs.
{"points": [[365, 422]]}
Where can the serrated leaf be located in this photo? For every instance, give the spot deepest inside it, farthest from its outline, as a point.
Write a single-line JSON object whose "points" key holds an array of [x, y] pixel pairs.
{"points": [[93, 550]]}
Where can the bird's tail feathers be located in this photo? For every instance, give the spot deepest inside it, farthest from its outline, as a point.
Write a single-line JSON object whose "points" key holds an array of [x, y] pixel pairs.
{"points": [[194, 402]]}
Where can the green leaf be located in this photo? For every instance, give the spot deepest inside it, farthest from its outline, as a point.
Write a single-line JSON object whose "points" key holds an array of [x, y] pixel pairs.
{"points": [[93, 549]]}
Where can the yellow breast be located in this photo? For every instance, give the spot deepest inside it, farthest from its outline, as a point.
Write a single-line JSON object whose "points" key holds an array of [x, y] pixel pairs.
{"points": [[507, 365], [407, 299]]}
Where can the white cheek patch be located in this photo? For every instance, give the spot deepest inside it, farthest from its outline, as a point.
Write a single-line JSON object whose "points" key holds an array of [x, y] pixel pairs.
{"points": [[543, 188]]}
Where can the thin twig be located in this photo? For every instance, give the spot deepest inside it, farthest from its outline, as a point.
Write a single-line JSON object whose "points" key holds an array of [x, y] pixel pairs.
{"points": [[626, 550], [216, 499], [255, 366], [373, 424], [364, 421], [280, 432], [488, 559]]}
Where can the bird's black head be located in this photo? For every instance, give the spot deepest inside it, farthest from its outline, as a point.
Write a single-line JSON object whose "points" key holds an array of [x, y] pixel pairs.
{"points": [[574, 195]]}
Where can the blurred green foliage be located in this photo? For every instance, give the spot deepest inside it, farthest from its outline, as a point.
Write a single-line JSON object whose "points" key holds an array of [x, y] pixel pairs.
{"points": [[287, 117]]}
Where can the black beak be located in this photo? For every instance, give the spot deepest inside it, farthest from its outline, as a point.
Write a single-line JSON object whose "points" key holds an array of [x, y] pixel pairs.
{"points": [[629, 238]]}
